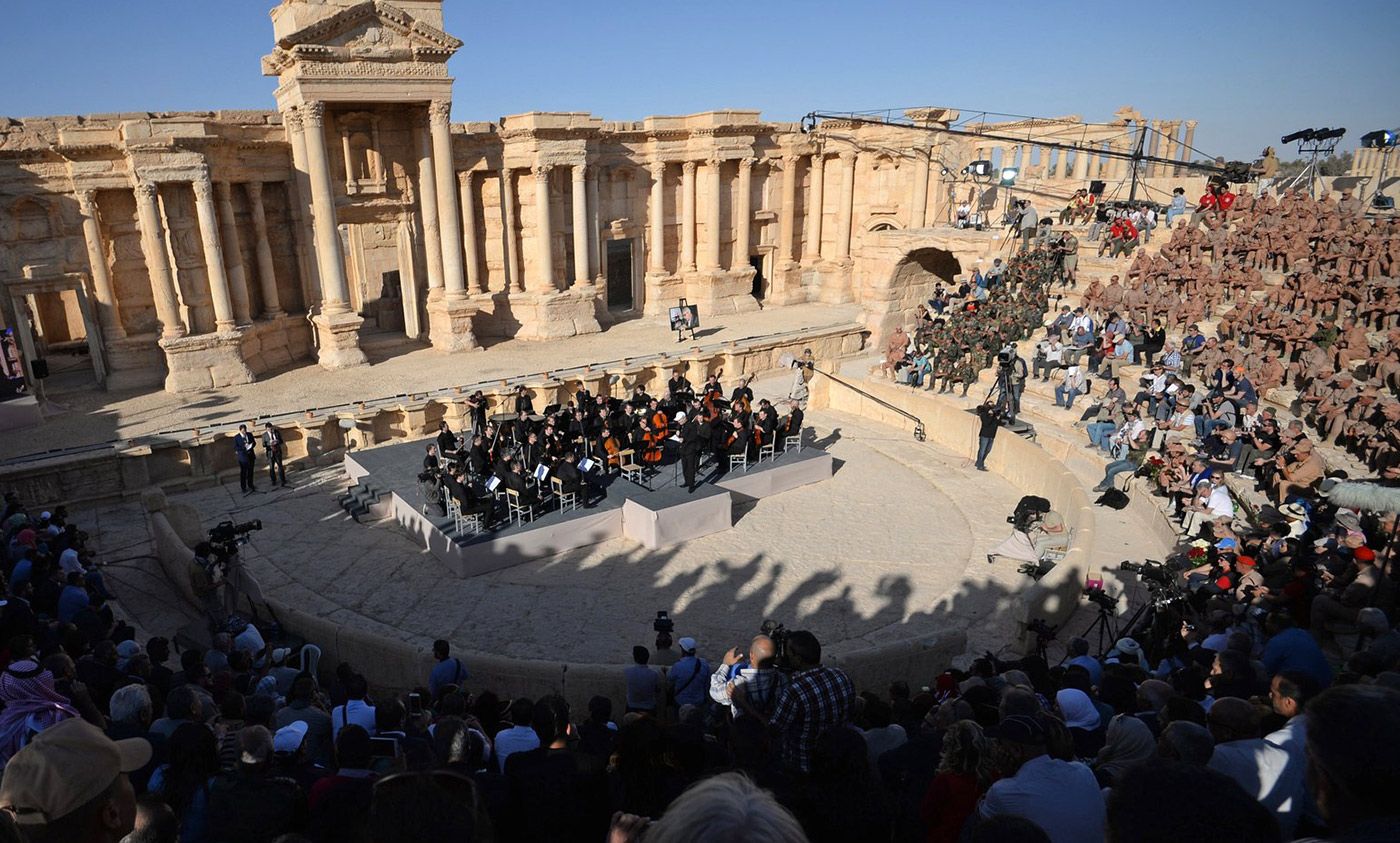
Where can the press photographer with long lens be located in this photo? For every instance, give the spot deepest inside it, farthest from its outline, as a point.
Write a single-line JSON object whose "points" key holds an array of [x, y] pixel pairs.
{"points": [[213, 572]]}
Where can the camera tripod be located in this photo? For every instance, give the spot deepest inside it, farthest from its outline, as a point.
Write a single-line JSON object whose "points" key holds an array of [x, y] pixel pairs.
{"points": [[1104, 624], [1001, 392]]}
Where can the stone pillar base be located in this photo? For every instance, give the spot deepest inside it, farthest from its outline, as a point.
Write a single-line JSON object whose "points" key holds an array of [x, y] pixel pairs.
{"points": [[661, 292], [206, 361], [721, 293], [547, 316], [338, 340], [786, 285], [450, 324], [834, 282]]}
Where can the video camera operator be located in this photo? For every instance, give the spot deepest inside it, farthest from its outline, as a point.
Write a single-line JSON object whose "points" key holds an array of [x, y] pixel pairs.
{"points": [[207, 583]]}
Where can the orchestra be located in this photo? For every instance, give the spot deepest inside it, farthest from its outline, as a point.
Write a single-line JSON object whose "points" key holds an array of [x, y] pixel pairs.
{"points": [[683, 425]]}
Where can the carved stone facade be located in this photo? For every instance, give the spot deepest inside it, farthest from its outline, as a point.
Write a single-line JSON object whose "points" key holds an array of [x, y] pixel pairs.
{"points": [[208, 248]]}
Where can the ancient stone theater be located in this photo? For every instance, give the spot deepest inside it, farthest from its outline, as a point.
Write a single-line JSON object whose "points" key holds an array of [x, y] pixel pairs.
{"points": [[197, 250]]}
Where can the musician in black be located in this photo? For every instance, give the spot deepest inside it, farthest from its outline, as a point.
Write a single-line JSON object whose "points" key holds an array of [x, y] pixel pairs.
{"points": [[446, 441], [531, 452], [678, 389], [478, 458], [275, 448], [571, 480], [455, 484], [793, 424], [692, 440], [476, 407], [523, 403], [514, 479], [430, 460]]}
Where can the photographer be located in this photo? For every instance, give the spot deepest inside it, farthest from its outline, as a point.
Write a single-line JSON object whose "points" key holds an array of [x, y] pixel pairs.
{"points": [[207, 582], [990, 417], [1047, 357]]}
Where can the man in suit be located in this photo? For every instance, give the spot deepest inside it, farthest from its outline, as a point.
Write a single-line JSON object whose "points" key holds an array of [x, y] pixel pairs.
{"points": [[691, 441], [245, 448], [274, 446]]}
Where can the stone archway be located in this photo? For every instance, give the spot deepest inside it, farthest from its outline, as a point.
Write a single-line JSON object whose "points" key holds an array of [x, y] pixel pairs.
{"points": [[898, 270], [942, 264]]}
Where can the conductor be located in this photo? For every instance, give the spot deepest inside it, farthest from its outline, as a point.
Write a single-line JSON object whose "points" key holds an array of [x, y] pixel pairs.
{"points": [[691, 440]]}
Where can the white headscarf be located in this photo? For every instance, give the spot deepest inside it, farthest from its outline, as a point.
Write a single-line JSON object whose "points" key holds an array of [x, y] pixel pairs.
{"points": [[1077, 709]]}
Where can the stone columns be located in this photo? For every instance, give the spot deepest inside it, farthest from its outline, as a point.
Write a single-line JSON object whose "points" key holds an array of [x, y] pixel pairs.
{"points": [[843, 219], [544, 233], [335, 289], [656, 249], [1173, 128], [714, 169], [582, 240], [453, 279], [812, 245], [787, 218], [428, 209], [515, 280], [476, 280], [743, 217], [1186, 142], [595, 227], [213, 253], [337, 328], [1081, 162], [107, 314], [687, 217], [298, 195], [158, 261], [233, 255], [267, 275], [918, 206]]}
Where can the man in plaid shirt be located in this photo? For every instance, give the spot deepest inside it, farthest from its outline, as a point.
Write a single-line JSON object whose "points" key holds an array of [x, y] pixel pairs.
{"points": [[815, 699]]}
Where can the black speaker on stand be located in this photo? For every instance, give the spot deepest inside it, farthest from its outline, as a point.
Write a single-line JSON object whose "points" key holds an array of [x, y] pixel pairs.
{"points": [[39, 368], [1096, 187]]}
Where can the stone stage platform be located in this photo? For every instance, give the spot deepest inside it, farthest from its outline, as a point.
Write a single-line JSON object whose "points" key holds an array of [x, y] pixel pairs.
{"points": [[657, 514]]}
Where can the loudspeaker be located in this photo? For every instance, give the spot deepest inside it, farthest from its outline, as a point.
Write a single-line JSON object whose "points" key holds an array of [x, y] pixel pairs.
{"points": [[39, 368], [1096, 187]]}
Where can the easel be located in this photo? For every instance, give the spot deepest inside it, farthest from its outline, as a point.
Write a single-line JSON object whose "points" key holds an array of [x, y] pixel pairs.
{"points": [[681, 326]]}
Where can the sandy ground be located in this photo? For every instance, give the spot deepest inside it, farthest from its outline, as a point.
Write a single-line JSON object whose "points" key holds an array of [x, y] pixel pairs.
{"points": [[91, 416]]}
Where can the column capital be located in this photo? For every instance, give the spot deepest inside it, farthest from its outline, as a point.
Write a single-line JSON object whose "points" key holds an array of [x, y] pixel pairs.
{"points": [[464, 177], [1191, 124], [541, 171], [848, 156], [87, 201], [715, 161], [657, 168], [254, 189], [790, 160], [224, 189], [747, 161], [440, 111], [313, 114], [291, 118], [146, 190], [688, 167], [203, 187], [578, 171]]}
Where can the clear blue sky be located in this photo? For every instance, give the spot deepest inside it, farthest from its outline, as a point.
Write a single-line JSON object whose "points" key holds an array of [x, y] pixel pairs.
{"points": [[1248, 71]]}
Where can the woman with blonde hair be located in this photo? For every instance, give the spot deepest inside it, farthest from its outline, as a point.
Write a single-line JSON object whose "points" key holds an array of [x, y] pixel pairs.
{"points": [[952, 795]]}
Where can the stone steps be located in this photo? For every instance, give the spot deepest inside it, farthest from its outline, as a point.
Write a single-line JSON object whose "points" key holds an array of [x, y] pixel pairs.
{"points": [[358, 499]]}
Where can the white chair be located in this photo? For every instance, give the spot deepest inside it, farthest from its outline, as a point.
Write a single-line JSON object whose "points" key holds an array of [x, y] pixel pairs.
{"points": [[630, 470], [793, 441], [567, 500], [739, 459], [767, 448], [518, 511]]}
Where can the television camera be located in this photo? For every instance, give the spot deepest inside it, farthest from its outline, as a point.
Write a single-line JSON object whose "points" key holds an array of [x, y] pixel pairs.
{"points": [[779, 634], [225, 538]]}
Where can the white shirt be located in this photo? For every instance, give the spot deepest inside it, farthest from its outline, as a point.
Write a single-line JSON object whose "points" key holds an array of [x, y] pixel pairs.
{"points": [[513, 740], [1081, 321], [1271, 770], [1219, 504], [355, 711], [1062, 797]]}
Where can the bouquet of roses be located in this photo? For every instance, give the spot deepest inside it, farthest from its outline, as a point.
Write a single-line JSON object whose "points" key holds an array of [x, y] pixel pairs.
{"points": [[1152, 466], [1198, 551]]}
